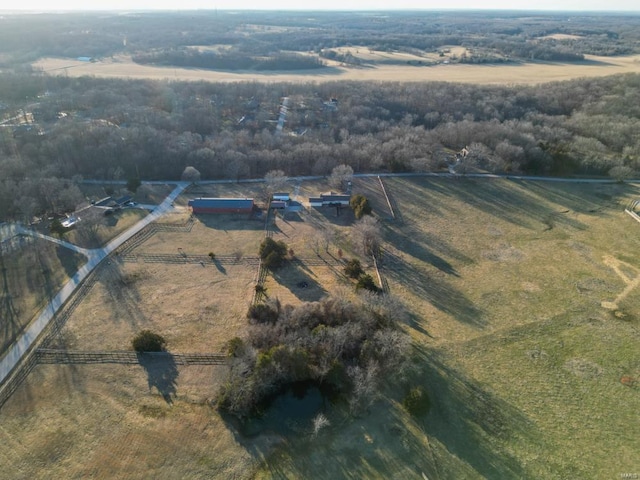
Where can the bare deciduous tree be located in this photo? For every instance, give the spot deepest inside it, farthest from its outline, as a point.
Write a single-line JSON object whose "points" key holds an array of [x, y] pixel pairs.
{"points": [[275, 181], [367, 235], [190, 174], [340, 177]]}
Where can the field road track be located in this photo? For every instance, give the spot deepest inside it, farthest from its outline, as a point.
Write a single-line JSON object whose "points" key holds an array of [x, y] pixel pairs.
{"points": [[22, 345]]}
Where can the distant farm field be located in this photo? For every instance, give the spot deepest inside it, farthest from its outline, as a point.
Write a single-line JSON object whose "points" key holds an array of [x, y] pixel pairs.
{"points": [[524, 308], [392, 68]]}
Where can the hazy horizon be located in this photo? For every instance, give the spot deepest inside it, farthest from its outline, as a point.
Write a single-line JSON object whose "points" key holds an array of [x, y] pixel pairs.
{"points": [[30, 6]]}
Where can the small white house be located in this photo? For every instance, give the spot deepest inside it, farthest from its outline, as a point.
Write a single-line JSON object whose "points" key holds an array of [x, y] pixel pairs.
{"points": [[284, 197]]}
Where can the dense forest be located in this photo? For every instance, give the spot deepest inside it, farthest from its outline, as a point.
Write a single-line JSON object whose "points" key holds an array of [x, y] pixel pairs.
{"points": [[488, 36], [228, 60], [56, 129]]}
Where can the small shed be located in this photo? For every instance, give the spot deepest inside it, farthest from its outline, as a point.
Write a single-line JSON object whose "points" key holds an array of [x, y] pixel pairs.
{"points": [[279, 204], [221, 205], [285, 197]]}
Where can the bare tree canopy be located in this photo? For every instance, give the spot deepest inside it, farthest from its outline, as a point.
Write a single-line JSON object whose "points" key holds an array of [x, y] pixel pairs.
{"points": [[190, 174], [367, 235], [275, 181], [340, 177]]}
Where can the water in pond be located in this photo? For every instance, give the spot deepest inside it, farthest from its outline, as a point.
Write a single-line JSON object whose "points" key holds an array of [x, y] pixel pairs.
{"points": [[291, 411]]}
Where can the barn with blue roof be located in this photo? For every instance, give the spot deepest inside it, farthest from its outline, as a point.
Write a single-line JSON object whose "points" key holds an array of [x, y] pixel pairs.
{"points": [[221, 205]]}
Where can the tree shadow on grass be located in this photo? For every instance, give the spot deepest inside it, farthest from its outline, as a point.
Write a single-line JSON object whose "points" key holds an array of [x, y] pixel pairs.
{"points": [[294, 277], [517, 202], [241, 221], [341, 450], [342, 216], [219, 266], [122, 296], [415, 244], [437, 292], [70, 261], [162, 373], [9, 315], [471, 422]]}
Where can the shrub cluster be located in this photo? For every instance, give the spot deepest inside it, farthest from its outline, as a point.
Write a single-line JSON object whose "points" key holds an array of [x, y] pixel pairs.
{"points": [[347, 347], [367, 282], [148, 341], [353, 269], [360, 205], [272, 253], [416, 401]]}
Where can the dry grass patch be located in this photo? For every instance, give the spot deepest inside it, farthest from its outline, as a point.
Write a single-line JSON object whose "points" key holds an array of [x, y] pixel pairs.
{"points": [[531, 73], [562, 36], [220, 234], [31, 273], [104, 421], [95, 229], [195, 308], [295, 283]]}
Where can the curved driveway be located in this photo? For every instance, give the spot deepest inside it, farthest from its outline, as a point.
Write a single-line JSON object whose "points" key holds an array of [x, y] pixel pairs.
{"points": [[94, 257]]}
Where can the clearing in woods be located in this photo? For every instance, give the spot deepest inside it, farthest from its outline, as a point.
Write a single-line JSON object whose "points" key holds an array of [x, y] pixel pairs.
{"points": [[530, 73], [505, 281]]}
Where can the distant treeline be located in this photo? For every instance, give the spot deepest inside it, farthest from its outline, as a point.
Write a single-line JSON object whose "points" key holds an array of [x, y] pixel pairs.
{"points": [[118, 129], [516, 35], [191, 57]]}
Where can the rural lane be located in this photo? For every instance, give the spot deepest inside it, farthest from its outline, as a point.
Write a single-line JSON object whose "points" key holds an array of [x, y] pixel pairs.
{"points": [[94, 257]]}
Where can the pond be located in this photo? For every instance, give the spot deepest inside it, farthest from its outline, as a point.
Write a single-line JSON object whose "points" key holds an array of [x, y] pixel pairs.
{"points": [[291, 411]]}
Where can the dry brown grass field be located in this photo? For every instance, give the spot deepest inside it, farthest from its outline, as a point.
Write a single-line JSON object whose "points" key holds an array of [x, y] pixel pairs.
{"points": [[531, 73], [31, 272], [197, 306], [95, 229], [524, 311]]}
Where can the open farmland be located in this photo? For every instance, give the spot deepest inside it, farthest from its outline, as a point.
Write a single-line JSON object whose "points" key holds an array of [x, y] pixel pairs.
{"points": [[524, 311], [31, 272], [530, 73]]}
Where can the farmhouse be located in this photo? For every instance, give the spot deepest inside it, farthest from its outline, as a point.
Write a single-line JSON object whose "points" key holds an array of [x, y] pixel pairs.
{"points": [[329, 199], [221, 205]]}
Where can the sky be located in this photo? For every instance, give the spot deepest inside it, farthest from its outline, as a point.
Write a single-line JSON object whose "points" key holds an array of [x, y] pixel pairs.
{"points": [[577, 5]]}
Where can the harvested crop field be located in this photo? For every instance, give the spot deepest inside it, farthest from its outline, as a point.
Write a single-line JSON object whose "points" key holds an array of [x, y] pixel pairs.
{"points": [[523, 306], [509, 74]]}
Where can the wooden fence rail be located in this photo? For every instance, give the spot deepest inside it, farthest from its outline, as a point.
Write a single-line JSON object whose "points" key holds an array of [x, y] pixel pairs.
{"points": [[53, 356]]}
